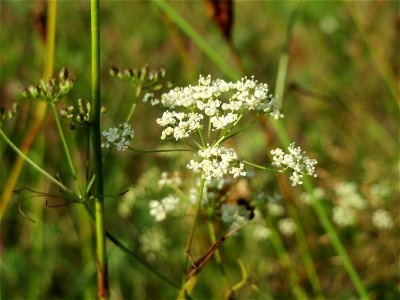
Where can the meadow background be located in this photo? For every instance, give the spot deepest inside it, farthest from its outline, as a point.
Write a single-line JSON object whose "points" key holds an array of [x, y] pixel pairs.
{"points": [[341, 104]]}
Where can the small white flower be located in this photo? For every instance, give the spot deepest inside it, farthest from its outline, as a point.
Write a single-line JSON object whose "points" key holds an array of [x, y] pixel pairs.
{"points": [[343, 216], [157, 210], [166, 181], [215, 162], [349, 197], [234, 215], [261, 233], [295, 160], [118, 137], [275, 209], [382, 219], [169, 203], [317, 195], [287, 226]]}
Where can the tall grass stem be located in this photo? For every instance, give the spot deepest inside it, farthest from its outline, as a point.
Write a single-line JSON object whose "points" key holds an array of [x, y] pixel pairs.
{"points": [[101, 255]]}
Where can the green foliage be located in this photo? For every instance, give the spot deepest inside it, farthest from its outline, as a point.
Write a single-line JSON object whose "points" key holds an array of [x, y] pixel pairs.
{"points": [[338, 104]]}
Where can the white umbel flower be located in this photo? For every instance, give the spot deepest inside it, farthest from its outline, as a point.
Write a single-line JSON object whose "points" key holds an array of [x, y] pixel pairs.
{"points": [[118, 137], [382, 219], [296, 160], [216, 162]]}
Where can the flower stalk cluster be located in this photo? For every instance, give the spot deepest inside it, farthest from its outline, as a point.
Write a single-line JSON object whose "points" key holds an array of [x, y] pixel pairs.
{"points": [[80, 115], [8, 114], [207, 113], [145, 78], [51, 90]]}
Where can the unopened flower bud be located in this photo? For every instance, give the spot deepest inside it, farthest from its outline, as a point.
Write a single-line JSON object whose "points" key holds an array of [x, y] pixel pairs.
{"points": [[63, 75], [114, 71], [103, 109]]}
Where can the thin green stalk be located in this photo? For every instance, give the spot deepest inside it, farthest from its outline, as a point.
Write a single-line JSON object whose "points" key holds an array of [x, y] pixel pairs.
{"points": [[102, 271], [65, 146], [222, 138], [305, 253], [189, 243], [125, 249], [32, 163], [283, 256], [257, 166], [336, 242], [211, 233], [320, 211], [133, 107], [159, 151], [197, 38]]}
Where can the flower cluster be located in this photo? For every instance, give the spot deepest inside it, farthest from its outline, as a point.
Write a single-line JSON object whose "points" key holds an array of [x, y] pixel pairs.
{"points": [[349, 202], [216, 162], [153, 242], [222, 103], [51, 90], [118, 137], [159, 209], [287, 226], [8, 114], [234, 215], [173, 181], [295, 160], [382, 219], [143, 78], [81, 114], [180, 125]]}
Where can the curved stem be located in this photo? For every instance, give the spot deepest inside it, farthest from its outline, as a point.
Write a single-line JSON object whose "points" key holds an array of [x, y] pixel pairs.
{"points": [[125, 249], [189, 242], [32, 163]]}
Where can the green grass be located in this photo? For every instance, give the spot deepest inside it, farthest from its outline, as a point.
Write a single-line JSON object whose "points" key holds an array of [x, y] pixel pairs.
{"points": [[340, 106]]}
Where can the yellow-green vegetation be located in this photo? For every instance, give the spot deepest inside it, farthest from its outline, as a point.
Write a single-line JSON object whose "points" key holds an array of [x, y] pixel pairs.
{"points": [[213, 187]]}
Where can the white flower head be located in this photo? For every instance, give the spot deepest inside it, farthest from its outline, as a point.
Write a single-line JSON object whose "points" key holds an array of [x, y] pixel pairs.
{"points": [[382, 219], [287, 226], [118, 137], [157, 210], [219, 102], [216, 162], [349, 197], [344, 216], [296, 160]]}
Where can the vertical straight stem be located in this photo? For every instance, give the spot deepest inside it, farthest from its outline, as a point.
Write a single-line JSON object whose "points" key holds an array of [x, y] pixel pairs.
{"points": [[102, 273]]}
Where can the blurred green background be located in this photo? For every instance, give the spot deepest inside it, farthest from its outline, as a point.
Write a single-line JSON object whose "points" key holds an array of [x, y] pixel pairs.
{"points": [[341, 105]]}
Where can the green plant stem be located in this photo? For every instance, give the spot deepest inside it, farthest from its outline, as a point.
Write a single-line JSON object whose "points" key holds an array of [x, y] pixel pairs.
{"points": [[126, 250], [101, 255], [305, 253], [65, 146], [211, 233], [159, 151], [336, 242], [133, 107], [283, 256], [257, 166], [32, 163], [197, 38], [222, 138], [196, 215]]}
